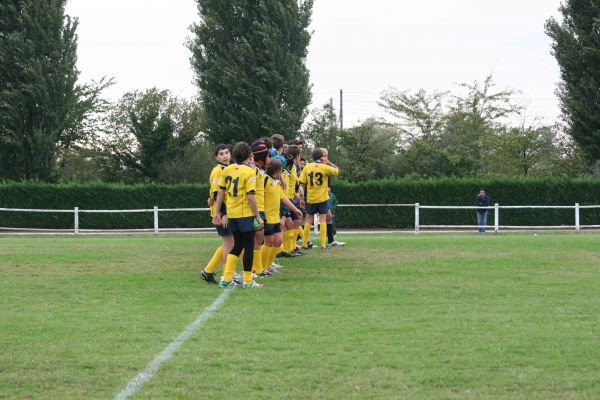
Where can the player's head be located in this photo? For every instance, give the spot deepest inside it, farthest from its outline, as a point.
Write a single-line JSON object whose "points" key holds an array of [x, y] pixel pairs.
{"points": [[295, 152], [242, 152], [274, 168], [298, 143], [278, 141], [267, 141], [302, 162], [317, 154], [289, 160], [222, 154], [260, 153]]}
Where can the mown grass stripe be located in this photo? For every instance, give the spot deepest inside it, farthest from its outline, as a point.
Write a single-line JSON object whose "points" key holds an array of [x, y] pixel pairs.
{"points": [[147, 374]]}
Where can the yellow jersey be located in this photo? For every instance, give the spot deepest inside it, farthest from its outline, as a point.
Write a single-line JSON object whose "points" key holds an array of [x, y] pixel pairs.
{"points": [[291, 183], [273, 196], [285, 177], [260, 189], [238, 180], [316, 178], [215, 175]]}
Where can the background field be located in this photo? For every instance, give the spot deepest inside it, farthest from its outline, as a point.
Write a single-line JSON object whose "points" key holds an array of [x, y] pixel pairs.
{"points": [[507, 316]]}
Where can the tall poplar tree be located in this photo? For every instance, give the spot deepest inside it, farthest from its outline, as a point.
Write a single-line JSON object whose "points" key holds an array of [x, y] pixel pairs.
{"points": [[249, 58], [577, 49], [38, 92]]}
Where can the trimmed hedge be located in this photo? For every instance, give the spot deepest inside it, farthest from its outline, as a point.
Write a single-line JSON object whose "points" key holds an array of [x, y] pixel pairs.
{"points": [[453, 192]]}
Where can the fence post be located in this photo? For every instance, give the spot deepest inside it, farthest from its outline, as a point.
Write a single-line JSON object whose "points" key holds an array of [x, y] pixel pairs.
{"points": [[416, 218], [496, 218], [76, 222], [156, 220], [577, 224]]}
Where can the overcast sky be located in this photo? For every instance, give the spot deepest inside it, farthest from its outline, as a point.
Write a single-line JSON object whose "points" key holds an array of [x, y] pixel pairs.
{"points": [[363, 47]]}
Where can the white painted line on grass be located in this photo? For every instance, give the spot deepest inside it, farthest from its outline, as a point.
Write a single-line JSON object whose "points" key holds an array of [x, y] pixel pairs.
{"points": [[134, 384]]}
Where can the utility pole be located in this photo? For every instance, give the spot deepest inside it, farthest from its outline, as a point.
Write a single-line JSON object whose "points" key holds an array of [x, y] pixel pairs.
{"points": [[342, 109]]}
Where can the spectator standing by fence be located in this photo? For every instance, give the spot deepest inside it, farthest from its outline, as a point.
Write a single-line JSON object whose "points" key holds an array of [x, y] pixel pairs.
{"points": [[482, 201]]}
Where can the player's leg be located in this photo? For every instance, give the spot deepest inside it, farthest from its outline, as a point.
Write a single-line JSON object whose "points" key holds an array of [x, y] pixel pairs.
{"points": [[307, 226]]}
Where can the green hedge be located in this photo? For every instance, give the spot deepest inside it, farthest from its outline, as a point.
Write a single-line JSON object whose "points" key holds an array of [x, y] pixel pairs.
{"points": [[454, 192], [462, 192]]}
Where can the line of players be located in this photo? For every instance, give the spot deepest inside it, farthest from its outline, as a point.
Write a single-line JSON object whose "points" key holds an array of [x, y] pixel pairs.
{"points": [[257, 201]]}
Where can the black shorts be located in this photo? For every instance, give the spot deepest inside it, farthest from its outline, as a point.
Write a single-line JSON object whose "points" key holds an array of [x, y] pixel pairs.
{"points": [[271, 229], [286, 212], [243, 225], [317, 208], [224, 231]]}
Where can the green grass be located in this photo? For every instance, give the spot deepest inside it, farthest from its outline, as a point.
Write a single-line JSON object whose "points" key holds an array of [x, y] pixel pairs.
{"points": [[450, 317]]}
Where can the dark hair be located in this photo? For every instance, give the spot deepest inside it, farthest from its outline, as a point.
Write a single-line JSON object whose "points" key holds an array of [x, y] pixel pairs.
{"points": [[302, 159], [293, 150], [277, 141], [260, 151], [317, 154], [288, 160], [220, 147], [273, 166], [241, 152], [296, 142], [268, 142]]}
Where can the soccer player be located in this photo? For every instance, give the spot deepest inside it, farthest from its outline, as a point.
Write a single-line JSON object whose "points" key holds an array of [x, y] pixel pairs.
{"points": [[223, 157], [315, 177], [274, 197], [239, 182]]}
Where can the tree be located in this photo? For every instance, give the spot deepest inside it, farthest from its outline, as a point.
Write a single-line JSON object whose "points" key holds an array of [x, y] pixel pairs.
{"points": [[368, 151], [249, 59], [146, 130], [576, 47], [421, 115], [41, 106], [322, 130]]}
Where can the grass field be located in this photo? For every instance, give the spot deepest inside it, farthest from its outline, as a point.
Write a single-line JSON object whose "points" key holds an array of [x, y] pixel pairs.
{"points": [[386, 317]]}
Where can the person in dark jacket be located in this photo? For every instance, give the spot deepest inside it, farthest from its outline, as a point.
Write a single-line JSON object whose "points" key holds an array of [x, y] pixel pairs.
{"points": [[482, 201]]}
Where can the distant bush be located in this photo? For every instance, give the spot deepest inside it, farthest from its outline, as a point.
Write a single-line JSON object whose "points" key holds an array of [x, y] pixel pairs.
{"points": [[454, 192]]}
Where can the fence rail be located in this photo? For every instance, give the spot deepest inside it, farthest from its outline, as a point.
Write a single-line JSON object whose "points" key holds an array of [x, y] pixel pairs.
{"points": [[577, 226]]}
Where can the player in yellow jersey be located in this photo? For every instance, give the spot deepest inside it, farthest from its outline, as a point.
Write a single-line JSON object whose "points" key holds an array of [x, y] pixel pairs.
{"points": [[315, 177], [223, 158], [260, 155], [292, 220], [275, 198], [238, 181]]}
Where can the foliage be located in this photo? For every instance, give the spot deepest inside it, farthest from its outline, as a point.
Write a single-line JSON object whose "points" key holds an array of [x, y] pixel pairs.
{"points": [[322, 131], [146, 130], [42, 108], [368, 151], [249, 59], [455, 192], [576, 46]]}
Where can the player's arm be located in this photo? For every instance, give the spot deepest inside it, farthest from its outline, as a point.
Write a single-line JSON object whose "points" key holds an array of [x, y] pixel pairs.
{"points": [[217, 219], [254, 207], [250, 195]]}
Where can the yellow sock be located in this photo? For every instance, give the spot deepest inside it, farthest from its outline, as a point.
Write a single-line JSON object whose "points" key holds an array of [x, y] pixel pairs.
{"points": [[265, 254], [323, 233], [306, 235], [247, 276], [295, 238], [230, 267], [257, 265], [281, 248], [216, 259], [272, 254], [289, 241]]}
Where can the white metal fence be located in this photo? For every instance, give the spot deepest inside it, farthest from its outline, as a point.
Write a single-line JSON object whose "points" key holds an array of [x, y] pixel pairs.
{"points": [[577, 226]]}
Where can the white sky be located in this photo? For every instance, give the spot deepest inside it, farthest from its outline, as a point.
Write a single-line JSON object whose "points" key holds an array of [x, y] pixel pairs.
{"points": [[363, 47]]}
